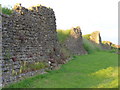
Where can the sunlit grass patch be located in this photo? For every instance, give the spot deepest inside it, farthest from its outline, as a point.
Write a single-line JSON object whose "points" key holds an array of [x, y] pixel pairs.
{"points": [[107, 73], [108, 77], [107, 83]]}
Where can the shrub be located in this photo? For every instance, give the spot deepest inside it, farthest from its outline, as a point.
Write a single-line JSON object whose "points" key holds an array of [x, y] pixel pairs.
{"points": [[7, 55], [32, 67]]}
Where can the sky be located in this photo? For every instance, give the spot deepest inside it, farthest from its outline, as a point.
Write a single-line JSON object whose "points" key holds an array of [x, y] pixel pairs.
{"points": [[90, 15]]}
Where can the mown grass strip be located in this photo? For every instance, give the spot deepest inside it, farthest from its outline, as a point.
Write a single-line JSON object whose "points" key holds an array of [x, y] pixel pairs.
{"points": [[96, 70]]}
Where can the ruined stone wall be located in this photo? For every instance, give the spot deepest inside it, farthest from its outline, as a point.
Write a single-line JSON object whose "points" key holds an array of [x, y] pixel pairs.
{"points": [[29, 43], [95, 37], [74, 43]]}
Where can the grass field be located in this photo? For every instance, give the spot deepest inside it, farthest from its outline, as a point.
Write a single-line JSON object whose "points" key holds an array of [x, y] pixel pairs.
{"points": [[95, 70]]}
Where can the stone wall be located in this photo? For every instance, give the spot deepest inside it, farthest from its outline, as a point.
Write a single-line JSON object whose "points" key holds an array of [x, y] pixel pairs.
{"points": [[74, 43], [107, 45], [95, 37], [29, 43]]}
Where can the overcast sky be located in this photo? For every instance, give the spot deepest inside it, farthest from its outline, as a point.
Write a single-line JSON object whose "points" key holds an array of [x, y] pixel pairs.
{"points": [[90, 15]]}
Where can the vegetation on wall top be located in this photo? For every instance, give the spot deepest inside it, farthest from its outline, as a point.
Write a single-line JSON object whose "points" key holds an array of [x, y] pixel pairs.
{"points": [[6, 10], [87, 36], [63, 35]]}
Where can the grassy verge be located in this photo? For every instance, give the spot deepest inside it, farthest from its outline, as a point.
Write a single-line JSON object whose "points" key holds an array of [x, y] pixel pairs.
{"points": [[96, 70]]}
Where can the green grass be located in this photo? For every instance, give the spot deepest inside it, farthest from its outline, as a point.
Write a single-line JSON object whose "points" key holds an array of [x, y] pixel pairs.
{"points": [[91, 47], [63, 35], [6, 10], [95, 70]]}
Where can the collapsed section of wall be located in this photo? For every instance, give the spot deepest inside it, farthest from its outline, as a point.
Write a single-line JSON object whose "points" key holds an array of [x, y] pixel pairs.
{"points": [[29, 42], [74, 43]]}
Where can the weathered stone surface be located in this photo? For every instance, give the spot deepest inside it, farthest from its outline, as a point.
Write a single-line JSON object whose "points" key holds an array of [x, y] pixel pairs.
{"points": [[107, 45], [95, 37], [74, 42], [28, 37]]}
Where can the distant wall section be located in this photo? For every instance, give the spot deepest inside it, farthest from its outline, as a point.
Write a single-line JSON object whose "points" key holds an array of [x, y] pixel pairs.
{"points": [[75, 43]]}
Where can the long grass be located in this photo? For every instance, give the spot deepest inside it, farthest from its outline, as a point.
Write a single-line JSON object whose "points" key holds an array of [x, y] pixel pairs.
{"points": [[95, 70], [91, 47], [63, 35]]}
